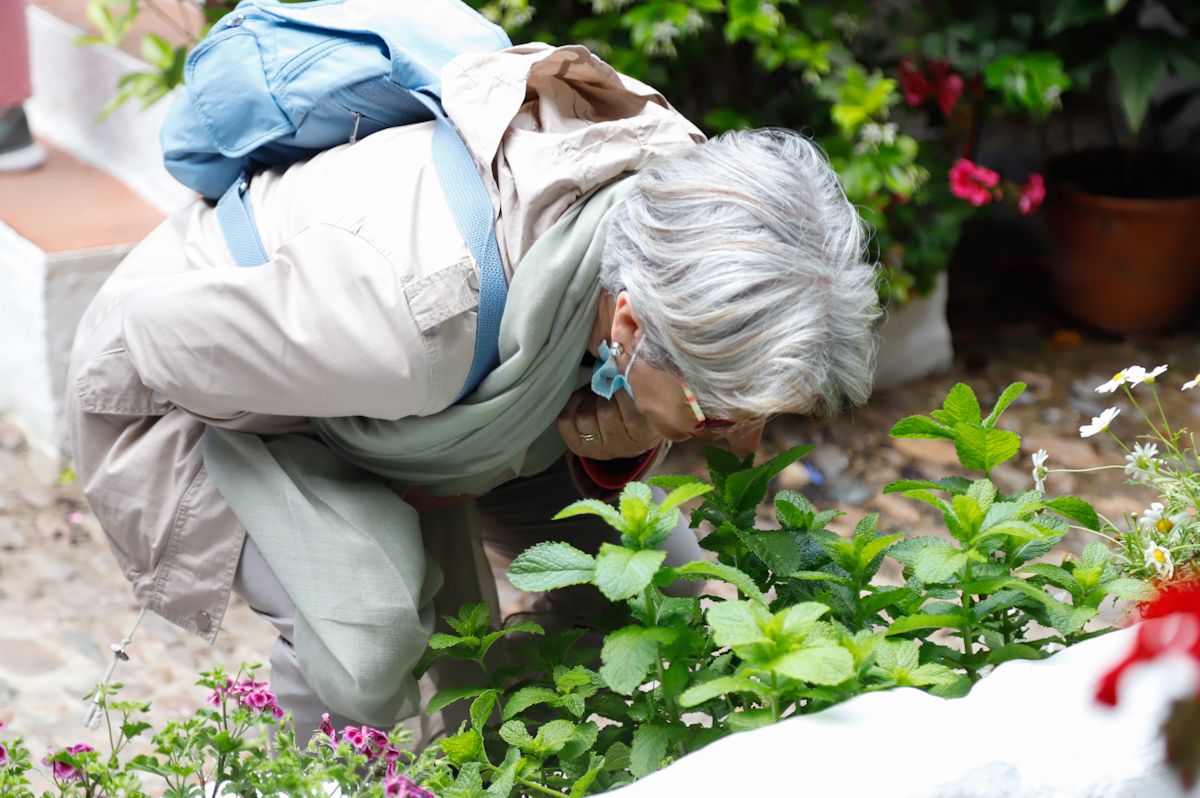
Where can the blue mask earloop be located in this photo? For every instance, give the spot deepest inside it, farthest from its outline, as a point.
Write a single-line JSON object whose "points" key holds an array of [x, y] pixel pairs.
{"points": [[606, 377]]}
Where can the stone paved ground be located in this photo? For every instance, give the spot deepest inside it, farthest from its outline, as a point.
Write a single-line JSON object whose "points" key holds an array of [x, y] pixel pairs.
{"points": [[62, 600]]}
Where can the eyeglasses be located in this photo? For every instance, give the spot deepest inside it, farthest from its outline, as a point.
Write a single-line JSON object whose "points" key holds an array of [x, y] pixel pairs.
{"points": [[701, 421]]}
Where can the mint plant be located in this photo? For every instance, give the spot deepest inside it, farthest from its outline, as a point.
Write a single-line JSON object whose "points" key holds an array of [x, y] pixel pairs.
{"points": [[804, 622]]}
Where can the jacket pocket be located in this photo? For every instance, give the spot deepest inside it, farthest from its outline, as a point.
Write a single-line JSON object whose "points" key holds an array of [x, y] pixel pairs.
{"points": [[443, 295], [110, 384]]}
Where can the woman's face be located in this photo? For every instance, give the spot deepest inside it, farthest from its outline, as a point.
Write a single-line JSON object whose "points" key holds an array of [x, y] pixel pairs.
{"points": [[659, 395]]}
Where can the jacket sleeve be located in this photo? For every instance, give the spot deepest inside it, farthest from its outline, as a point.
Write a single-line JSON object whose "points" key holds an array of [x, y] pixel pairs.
{"points": [[323, 329]]}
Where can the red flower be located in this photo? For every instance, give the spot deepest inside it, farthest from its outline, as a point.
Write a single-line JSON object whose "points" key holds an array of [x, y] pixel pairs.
{"points": [[972, 182], [1181, 633], [949, 90], [1032, 194], [914, 85]]}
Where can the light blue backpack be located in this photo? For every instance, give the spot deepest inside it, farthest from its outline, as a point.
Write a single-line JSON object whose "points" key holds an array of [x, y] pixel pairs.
{"points": [[277, 82]]}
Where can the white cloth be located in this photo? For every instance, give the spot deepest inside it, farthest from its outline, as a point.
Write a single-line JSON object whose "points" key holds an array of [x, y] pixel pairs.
{"points": [[1031, 729]]}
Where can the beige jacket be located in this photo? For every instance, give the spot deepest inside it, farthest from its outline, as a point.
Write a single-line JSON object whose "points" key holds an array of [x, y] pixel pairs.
{"points": [[366, 306]]}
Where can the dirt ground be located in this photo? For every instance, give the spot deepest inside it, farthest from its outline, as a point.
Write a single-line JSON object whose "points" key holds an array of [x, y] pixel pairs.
{"points": [[63, 601]]}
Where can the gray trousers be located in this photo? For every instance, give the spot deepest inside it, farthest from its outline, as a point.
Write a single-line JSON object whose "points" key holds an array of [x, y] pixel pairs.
{"points": [[510, 519]]}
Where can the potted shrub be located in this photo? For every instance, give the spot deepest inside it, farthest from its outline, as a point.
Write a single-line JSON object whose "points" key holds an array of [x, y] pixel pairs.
{"points": [[1124, 220]]}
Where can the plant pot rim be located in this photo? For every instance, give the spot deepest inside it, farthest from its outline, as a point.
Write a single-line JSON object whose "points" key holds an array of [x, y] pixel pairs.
{"points": [[1063, 185]]}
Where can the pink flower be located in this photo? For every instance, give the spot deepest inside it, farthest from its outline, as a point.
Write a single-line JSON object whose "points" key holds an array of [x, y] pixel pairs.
{"points": [[354, 736], [914, 85], [404, 787], [972, 182], [1032, 194], [259, 699], [949, 90], [3, 756], [61, 770]]}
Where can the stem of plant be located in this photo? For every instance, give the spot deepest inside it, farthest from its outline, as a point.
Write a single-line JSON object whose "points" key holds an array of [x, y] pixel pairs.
{"points": [[530, 784]]}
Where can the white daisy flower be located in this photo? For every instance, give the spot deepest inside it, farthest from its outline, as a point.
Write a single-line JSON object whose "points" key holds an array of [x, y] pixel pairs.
{"points": [[1099, 423], [1039, 469], [1160, 558], [1116, 381], [1157, 520], [1135, 375], [1142, 460], [1187, 386]]}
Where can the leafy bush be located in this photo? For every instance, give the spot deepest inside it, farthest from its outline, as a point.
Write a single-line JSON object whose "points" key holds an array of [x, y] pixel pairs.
{"points": [[838, 71]]}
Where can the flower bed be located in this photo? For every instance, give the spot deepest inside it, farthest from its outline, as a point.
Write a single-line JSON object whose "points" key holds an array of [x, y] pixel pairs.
{"points": [[805, 625]]}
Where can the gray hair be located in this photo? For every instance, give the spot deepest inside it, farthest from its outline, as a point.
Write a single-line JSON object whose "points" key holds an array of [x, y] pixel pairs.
{"points": [[746, 265]]}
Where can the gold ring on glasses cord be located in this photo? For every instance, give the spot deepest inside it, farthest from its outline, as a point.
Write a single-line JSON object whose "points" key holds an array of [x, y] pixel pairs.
{"points": [[588, 437]]}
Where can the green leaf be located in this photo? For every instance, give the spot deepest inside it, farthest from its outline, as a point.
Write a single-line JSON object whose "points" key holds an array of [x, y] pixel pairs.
{"points": [[469, 783], [684, 493], [506, 778], [776, 548], [921, 427], [1128, 589], [594, 507], [781, 461], [961, 407], [738, 623], [622, 572], [627, 656], [722, 685], [749, 719], [939, 564], [1007, 398], [1077, 510], [910, 623], [716, 570], [440, 640], [820, 576], [1095, 555], [514, 732], [984, 449], [828, 665], [444, 698], [746, 489], [548, 566], [722, 463], [1139, 63], [1059, 577], [671, 482], [799, 619], [886, 597], [481, 709], [1011, 652], [552, 736], [649, 749], [463, 747], [525, 698], [473, 619], [583, 739]]}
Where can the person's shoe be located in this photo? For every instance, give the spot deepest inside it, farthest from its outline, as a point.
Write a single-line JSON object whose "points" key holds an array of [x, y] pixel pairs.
{"points": [[18, 150]]}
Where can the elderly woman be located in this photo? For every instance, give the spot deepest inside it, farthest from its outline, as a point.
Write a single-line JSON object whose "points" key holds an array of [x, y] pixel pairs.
{"points": [[290, 431]]}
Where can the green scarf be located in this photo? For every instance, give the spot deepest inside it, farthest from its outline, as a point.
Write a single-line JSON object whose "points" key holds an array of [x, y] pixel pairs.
{"points": [[326, 516]]}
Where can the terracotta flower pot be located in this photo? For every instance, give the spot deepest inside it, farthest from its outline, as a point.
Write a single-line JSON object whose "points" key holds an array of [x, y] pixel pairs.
{"points": [[1121, 263]]}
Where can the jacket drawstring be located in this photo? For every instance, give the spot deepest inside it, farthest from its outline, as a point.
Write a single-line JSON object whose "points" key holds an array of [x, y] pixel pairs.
{"points": [[92, 718]]}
